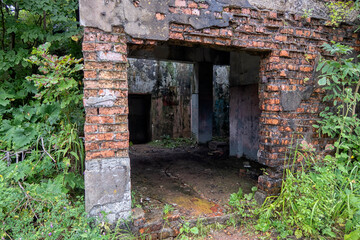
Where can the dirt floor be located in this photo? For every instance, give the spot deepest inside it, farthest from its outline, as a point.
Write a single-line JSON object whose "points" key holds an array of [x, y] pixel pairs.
{"points": [[194, 181]]}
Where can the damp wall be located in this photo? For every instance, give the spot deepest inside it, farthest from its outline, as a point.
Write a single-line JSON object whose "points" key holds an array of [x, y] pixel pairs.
{"points": [[244, 105], [169, 83]]}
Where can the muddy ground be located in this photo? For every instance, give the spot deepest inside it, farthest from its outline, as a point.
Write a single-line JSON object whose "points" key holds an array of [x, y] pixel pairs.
{"points": [[197, 181], [194, 180]]}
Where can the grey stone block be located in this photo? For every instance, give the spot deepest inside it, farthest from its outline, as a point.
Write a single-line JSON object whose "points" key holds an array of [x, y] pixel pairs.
{"points": [[107, 188]]}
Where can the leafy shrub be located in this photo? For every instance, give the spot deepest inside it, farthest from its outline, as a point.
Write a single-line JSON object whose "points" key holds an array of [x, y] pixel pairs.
{"points": [[34, 202], [41, 191], [56, 103], [187, 230], [243, 204]]}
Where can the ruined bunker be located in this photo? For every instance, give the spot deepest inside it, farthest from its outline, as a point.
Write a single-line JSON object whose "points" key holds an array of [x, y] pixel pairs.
{"points": [[271, 47]]}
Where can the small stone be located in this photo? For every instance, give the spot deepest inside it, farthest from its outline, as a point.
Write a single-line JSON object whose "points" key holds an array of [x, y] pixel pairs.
{"points": [[260, 197], [138, 213], [246, 164]]}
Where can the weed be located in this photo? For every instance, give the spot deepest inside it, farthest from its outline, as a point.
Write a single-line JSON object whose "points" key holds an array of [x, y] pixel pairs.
{"points": [[242, 204], [133, 199], [169, 142], [186, 230], [320, 200], [167, 209], [307, 13]]}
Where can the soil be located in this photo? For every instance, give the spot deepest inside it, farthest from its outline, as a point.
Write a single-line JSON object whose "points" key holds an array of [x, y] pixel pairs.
{"points": [[195, 181]]}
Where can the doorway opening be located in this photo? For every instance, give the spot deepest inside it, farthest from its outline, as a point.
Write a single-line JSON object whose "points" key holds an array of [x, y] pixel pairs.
{"points": [[204, 121]]}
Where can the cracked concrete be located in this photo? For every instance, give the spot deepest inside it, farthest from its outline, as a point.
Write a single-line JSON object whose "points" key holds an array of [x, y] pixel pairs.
{"points": [[150, 19], [107, 184]]}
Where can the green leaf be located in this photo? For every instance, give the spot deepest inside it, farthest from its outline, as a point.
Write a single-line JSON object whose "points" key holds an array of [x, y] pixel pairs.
{"points": [[194, 230], [354, 235], [322, 81]]}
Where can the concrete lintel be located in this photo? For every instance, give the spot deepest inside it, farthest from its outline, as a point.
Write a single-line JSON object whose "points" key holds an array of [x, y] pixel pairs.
{"points": [[108, 188], [181, 54], [139, 18]]}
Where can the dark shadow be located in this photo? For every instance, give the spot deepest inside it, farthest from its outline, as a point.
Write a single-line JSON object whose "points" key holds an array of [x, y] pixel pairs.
{"points": [[139, 118]]}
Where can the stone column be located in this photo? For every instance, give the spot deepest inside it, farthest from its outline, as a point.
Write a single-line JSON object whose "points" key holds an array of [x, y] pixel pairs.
{"points": [[107, 174]]}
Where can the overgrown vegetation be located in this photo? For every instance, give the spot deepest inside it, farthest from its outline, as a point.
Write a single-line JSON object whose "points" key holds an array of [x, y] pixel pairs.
{"points": [[320, 194], [41, 117]]}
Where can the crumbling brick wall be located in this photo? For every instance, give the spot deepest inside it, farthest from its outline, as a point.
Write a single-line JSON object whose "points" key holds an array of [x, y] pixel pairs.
{"points": [[290, 99]]}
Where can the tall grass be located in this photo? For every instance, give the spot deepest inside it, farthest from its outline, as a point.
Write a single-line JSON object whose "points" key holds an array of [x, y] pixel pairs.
{"points": [[318, 199]]}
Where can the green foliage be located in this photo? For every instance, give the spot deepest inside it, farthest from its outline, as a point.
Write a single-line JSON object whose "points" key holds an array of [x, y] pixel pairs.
{"points": [[307, 13], [35, 204], [24, 25], [186, 230], [169, 142], [340, 10], [340, 120], [243, 204], [56, 80], [44, 114], [320, 199], [40, 191], [167, 209], [29, 23]]}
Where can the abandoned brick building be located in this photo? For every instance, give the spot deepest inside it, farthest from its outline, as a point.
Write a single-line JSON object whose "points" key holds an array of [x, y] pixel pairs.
{"points": [[271, 47]]}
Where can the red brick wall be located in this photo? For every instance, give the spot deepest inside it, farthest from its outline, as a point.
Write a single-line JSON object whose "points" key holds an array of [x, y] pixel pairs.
{"points": [[105, 94], [290, 46]]}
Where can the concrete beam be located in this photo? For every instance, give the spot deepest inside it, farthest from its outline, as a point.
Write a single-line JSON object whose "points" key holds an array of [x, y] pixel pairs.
{"points": [[180, 54]]}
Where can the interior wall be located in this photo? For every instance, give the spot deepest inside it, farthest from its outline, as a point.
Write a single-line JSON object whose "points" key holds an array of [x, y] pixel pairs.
{"points": [[168, 83]]}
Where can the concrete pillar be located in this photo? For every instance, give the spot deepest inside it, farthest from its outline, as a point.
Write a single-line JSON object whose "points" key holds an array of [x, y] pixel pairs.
{"points": [[195, 103], [244, 105], [107, 174], [205, 76]]}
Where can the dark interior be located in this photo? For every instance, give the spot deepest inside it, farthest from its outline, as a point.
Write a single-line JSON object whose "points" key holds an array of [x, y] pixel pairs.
{"points": [[139, 118]]}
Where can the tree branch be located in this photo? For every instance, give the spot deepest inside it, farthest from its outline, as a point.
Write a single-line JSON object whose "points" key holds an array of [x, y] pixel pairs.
{"points": [[43, 146], [28, 199]]}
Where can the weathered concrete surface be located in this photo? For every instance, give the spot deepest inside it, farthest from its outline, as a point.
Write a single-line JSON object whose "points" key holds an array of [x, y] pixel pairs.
{"points": [[244, 121], [244, 69], [168, 83], [150, 19], [169, 86], [205, 102], [107, 184], [290, 100], [142, 75], [244, 105], [221, 101]]}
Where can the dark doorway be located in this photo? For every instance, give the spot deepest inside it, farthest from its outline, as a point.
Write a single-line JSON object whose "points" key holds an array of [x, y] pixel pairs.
{"points": [[139, 118]]}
